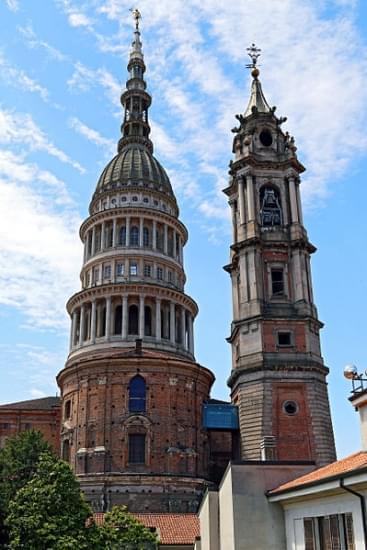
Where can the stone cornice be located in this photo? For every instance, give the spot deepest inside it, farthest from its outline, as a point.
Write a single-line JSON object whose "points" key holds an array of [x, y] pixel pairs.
{"points": [[130, 289], [133, 211]]}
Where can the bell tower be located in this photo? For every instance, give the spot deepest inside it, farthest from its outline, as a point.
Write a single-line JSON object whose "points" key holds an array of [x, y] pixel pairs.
{"points": [[278, 377]]}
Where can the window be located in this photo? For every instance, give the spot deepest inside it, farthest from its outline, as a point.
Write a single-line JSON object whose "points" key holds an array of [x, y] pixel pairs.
{"points": [[290, 407], [146, 200], [266, 138], [118, 320], [67, 410], [107, 272], [122, 235], [109, 236], [277, 282], [159, 273], [133, 268], [146, 237], [137, 394], [270, 209], [147, 270], [170, 278], [95, 274], [133, 319], [135, 198], [334, 532], [120, 269], [284, 339], [134, 236], [137, 449], [147, 321]]}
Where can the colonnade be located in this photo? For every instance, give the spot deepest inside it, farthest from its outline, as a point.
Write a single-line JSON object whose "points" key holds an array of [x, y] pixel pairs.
{"points": [[112, 318], [134, 232]]}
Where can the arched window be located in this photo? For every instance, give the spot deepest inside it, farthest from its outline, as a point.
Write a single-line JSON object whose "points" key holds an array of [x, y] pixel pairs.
{"points": [[122, 236], [133, 319], [134, 236], [146, 237], [270, 209], [147, 321], [118, 320], [137, 394]]}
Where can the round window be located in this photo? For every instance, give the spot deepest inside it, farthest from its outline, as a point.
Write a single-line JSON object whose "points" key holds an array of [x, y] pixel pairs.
{"points": [[266, 138], [290, 407]]}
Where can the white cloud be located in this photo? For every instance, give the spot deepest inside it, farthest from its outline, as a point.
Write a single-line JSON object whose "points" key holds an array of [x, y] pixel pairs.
{"points": [[19, 78], [39, 249], [78, 19], [13, 5], [21, 128], [192, 48], [84, 78], [92, 135], [33, 41]]}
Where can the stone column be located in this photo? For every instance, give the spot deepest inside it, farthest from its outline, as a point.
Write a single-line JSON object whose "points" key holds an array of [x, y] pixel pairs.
{"points": [[93, 248], [108, 318], [293, 199], [241, 199], [93, 322], [299, 203], [297, 276], [72, 330], [191, 334], [234, 221], [165, 239], [114, 233], [124, 318], [154, 237], [82, 320], [127, 231], [183, 327], [141, 227], [172, 322], [141, 316], [103, 236], [158, 319], [113, 271], [250, 198]]}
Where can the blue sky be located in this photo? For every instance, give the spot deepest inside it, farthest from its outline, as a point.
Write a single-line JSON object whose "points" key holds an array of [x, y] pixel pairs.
{"points": [[62, 68]]}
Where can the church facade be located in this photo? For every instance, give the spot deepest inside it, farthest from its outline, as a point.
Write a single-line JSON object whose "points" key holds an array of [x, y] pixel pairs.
{"points": [[135, 402]]}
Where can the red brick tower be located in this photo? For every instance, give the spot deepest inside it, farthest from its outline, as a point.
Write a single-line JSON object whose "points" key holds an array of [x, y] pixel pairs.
{"points": [[278, 377], [131, 390]]}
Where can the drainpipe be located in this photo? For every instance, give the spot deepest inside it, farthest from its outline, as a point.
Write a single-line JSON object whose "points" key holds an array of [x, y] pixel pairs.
{"points": [[363, 507]]}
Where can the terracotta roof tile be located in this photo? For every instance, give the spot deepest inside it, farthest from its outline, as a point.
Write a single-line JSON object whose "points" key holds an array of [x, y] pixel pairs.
{"points": [[171, 528], [44, 403], [340, 467]]}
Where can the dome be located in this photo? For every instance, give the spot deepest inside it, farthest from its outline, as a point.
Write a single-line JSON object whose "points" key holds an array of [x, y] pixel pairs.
{"points": [[134, 165]]}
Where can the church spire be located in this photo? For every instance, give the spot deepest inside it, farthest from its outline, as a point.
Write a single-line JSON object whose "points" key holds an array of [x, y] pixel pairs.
{"points": [[135, 99], [257, 101]]}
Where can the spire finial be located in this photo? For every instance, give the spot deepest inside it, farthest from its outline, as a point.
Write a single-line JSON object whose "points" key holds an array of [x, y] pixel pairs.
{"points": [[137, 16], [254, 53]]}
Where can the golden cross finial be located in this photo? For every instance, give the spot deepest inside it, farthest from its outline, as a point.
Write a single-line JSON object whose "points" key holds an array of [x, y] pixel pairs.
{"points": [[136, 15]]}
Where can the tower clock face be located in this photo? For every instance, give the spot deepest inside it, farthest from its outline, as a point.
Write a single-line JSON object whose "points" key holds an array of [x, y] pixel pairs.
{"points": [[266, 138]]}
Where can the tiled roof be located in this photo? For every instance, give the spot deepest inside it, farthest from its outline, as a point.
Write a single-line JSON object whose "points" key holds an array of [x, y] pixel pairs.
{"points": [[45, 403], [353, 462], [171, 528]]}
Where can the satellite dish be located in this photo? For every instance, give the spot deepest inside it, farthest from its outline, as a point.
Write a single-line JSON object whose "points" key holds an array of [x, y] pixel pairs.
{"points": [[350, 372]]}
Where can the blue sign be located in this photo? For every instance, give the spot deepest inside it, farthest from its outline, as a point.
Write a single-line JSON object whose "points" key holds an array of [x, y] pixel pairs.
{"points": [[220, 417]]}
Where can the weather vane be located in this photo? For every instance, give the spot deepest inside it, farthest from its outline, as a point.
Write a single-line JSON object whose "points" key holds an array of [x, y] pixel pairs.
{"points": [[136, 15], [254, 54]]}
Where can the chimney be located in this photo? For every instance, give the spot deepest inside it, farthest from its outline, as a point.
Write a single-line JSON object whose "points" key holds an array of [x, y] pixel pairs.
{"points": [[139, 346]]}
